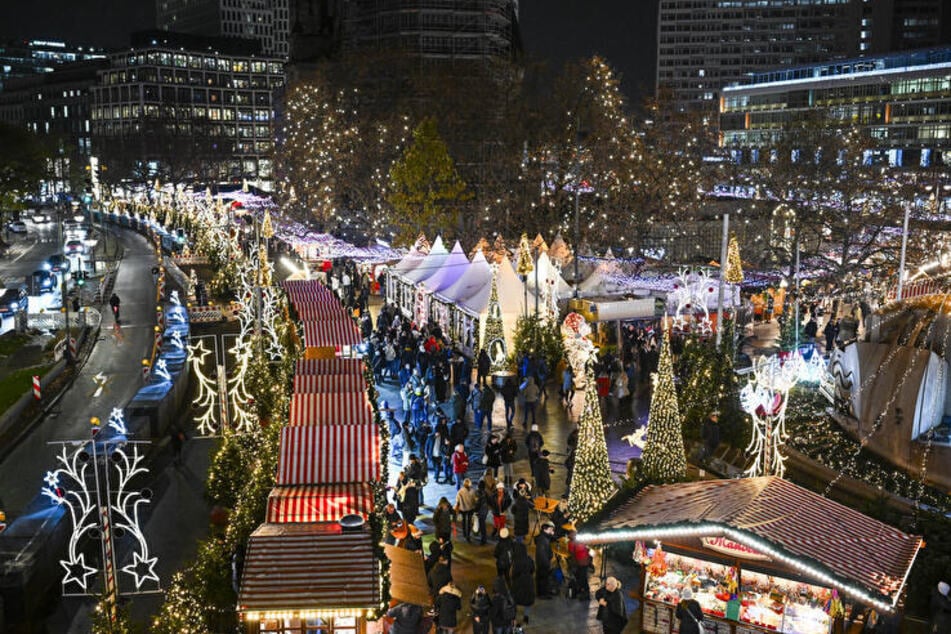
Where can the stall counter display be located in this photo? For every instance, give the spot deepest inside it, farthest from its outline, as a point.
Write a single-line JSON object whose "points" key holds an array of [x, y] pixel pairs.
{"points": [[709, 581], [783, 605]]}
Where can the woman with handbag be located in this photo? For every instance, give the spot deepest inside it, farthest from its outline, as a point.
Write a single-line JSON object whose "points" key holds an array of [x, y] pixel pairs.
{"points": [[689, 613], [611, 609], [466, 499]]}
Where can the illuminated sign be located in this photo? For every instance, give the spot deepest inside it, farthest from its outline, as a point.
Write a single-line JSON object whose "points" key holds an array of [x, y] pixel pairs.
{"points": [[730, 547]]}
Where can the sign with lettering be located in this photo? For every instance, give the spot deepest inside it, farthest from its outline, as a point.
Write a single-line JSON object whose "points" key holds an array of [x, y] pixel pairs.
{"points": [[732, 548]]}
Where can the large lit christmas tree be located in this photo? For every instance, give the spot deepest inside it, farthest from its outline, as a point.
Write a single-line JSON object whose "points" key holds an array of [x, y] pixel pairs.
{"points": [[664, 457], [591, 483], [734, 266], [523, 265], [493, 337]]}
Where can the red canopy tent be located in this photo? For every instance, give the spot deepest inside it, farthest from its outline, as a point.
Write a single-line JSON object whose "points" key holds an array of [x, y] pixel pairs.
{"points": [[318, 454], [328, 333], [345, 408], [337, 365], [319, 503], [334, 383]]}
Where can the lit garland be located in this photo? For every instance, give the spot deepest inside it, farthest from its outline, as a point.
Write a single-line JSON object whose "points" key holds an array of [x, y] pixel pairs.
{"points": [[206, 403], [591, 483], [664, 458]]}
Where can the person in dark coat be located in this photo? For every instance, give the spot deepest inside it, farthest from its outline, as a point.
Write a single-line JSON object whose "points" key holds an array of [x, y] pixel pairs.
{"points": [[541, 472], [493, 455], [534, 442], [439, 575], [486, 403], [482, 510], [523, 582], [508, 453], [406, 618], [543, 559], [392, 518], [940, 609], [499, 502], [611, 609], [480, 605], [689, 613], [502, 612], [439, 547], [521, 508], [447, 604], [504, 554], [483, 365], [509, 391], [442, 519], [409, 497]]}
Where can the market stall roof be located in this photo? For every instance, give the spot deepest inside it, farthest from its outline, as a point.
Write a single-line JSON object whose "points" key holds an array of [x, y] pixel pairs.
{"points": [[337, 365], [828, 541], [547, 269], [291, 567], [319, 503], [407, 576], [600, 281], [429, 266], [317, 408], [453, 267], [321, 311], [318, 454], [335, 332], [335, 383], [410, 261], [468, 290], [307, 290]]}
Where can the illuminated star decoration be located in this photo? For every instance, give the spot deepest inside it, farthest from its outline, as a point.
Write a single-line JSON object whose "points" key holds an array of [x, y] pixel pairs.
{"points": [[52, 481], [77, 571], [207, 400], [117, 421], [176, 340], [173, 298], [161, 370], [141, 569]]}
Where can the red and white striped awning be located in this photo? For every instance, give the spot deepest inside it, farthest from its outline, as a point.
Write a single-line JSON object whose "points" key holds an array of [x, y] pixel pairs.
{"points": [[320, 454], [337, 365], [314, 383], [300, 567], [319, 503], [322, 311], [307, 289], [339, 332], [342, 408]]}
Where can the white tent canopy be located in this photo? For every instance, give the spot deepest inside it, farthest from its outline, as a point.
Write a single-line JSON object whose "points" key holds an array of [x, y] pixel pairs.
{"points": [[430, 265], [453, 267], [600, 281], [471, 291], [545, 269]]}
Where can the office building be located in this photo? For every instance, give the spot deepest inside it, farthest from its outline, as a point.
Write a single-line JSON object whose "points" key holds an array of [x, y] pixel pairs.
{"points": [[902, 99], [704, 45], [32, 57], [186, 109], [266, 21]]}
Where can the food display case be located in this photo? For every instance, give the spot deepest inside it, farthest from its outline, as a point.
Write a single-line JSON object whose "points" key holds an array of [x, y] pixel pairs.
{"points": [[707, 580], [782, 605]]}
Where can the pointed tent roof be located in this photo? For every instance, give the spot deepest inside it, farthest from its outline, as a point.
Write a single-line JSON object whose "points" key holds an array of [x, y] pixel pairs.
{"points": [[481, 245], [545, 268], [599, 282], [512, 291], [409, 262], [471, 291], [453, 267], [559, 251], [429, 266]]}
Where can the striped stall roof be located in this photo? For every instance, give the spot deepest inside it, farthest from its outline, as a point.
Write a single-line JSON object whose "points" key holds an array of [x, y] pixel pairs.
{"points": [[337, 365], [298, 567], [333, 383], [321, 454], [321, 311], [337, 332], [847, 545], [306, 289], [343, 408], [319, 503]]}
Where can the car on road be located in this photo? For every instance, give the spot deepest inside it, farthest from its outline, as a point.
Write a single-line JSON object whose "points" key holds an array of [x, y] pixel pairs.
{"points": [[77, 230], [74, 247], [58, 263], [43, 282], [16, 226], [40, 217], [13, 300]]}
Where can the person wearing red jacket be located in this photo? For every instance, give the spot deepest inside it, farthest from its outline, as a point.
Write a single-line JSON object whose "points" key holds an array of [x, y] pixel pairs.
{"points": [[460, 465], [579, 562]]}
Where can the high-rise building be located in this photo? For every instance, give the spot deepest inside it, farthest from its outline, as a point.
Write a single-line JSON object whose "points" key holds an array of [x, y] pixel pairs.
{"points": [[31, 57], [264, 20], [704, 45], [187, 108]]}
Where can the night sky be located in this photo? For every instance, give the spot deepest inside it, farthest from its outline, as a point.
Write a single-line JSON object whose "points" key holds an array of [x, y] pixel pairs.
{"points": [[622, 31]]}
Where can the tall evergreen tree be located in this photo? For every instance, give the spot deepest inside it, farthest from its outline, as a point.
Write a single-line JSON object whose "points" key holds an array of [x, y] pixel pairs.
{"points": [[664, 457], [591, 483]]}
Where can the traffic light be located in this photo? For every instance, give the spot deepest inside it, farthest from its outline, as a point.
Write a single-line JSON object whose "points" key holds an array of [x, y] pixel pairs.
{"points": [[74, 275], [80, 278]]}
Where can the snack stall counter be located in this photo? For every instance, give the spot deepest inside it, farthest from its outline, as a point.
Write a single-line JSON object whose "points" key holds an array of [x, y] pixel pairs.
{"points": [[759, 555]]}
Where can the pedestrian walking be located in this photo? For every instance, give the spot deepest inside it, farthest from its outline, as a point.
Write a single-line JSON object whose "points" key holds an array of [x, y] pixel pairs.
{"points": [[482, 510], [466, 501], [405, 618], [178, 442], [521, 509], [504, 555], [492, 455], [502, 613], [499, 502], [940, 609], [567, 390], [486, 404], [541, 473], [442, 519], [534, 441], [460, 465], [480, 605], [611, 609], [690, 614], [579, 565], [509, 392], [529, 391], [409, 500], [508, 454], [543, 562], [439, 574], [483, 365], [523, 582]]}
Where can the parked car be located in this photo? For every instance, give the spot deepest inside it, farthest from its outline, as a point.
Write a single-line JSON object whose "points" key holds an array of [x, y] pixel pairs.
{"points": [[58, 263], [13, 300], [42, 282], [16, 226], [74, 247]]}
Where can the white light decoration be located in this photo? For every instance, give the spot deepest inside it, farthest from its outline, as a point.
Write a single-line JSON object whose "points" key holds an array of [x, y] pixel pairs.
{"points": [[238, 393], [578, 347], [765, 398], [637, 438], [75, 485], [207, 400], [176, 340], [117, 421], [173, 298], [814, 371], [690, 294], [161, 370]]}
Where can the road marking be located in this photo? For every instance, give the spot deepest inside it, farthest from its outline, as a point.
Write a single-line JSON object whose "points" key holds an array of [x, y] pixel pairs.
{"points": [[101, 381]]}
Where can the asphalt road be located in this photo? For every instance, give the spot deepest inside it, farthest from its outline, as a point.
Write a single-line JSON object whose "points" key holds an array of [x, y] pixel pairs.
{"points": [[118, 355]]}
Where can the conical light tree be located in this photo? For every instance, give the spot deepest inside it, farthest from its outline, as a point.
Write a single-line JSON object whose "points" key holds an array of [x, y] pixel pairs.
{"points": [[591, 483], [524, 265], [493, 337], [734, 267], [664, 457]]}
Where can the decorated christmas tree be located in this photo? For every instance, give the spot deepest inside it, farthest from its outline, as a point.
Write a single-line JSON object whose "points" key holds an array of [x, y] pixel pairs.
{"points": [[493, 338], [664, 457], [591, 483], [734, 267]]}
